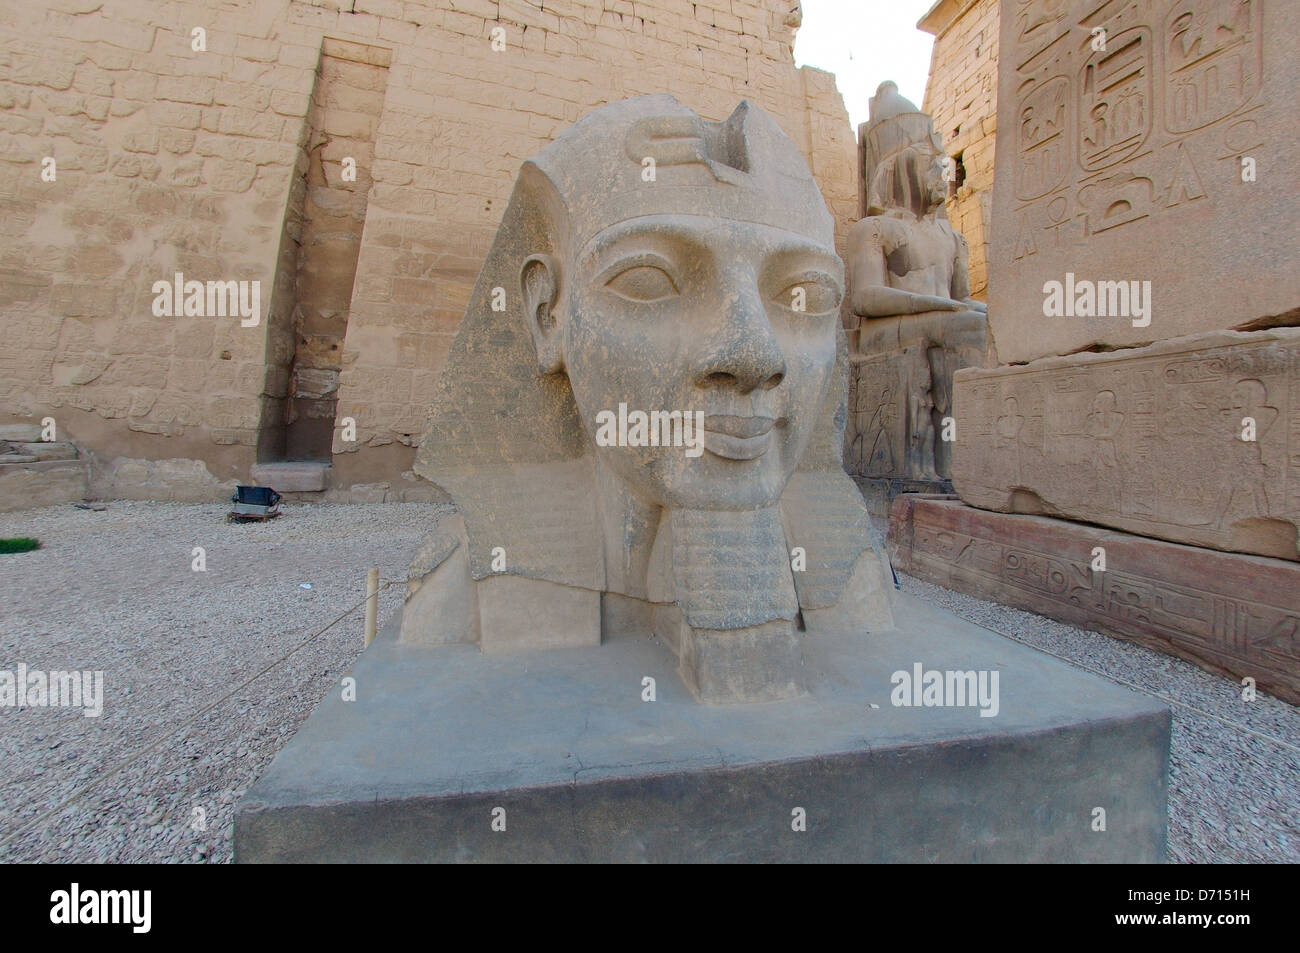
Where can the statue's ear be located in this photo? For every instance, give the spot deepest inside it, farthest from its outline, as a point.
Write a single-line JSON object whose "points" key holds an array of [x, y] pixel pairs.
{"points": [[539, 278]]}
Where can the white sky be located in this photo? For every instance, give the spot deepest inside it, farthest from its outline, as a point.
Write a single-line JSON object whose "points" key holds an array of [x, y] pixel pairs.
{"points": [[864, 43]]}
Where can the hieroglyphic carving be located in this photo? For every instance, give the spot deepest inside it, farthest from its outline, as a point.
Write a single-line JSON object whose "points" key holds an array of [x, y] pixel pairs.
{"points": [[1115, 100], [1043, 141], [1225, 610], [1195, 440], [1214, 65], [1038, 22], [1131, 119]]}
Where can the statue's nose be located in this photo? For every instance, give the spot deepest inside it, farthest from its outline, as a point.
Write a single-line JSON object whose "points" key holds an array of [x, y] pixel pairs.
{"points": [[743, 352]]}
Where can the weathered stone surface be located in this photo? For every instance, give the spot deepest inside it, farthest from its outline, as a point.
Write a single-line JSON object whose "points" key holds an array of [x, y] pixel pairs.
{"points": [[517, 613], [1227, 612], [910, 293], [441, 601], [1168, 132], [1148, 440], [586, 770], [683, 306], [178, 479]]}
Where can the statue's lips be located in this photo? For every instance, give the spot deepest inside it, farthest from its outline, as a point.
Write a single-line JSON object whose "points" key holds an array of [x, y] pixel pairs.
{"points": [[737, 438]]}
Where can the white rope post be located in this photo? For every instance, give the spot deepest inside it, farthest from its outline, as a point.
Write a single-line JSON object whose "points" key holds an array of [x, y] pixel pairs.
{"points": [[372, 605]]}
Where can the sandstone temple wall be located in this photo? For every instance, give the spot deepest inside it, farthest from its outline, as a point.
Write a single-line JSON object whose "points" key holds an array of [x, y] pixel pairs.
{"points": [[227, 164], [961, 95]]}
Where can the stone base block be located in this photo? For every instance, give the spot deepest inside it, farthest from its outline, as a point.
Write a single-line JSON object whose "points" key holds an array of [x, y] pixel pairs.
{"points": [[879, 493], [1193, 440], [42, 483], [723, 666], [1226, 612], [517, 613], [177, 479], [576, 755]]}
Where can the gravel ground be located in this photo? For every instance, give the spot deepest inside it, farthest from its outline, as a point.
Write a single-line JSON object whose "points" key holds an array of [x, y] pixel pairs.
{"points": [[114, 591], [1233, 797]]}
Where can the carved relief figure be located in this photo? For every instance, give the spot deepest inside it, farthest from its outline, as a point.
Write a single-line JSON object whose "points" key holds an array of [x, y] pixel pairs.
{"points": [[1246, 497], [920, 422], [1007, 435], [908, 276], [882, 457], [1103, 424]]}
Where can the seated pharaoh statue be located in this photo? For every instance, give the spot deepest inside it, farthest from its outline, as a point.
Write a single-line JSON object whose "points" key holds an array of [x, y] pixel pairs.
{"points": [[910, 288], [641, 418]]}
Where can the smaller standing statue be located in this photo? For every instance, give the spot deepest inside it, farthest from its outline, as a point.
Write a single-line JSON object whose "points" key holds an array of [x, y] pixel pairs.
{"points": [[910, 290]]}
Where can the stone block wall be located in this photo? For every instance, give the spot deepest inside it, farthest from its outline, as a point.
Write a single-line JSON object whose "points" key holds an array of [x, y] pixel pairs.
{"points": [[961, 95], [168, 159]]}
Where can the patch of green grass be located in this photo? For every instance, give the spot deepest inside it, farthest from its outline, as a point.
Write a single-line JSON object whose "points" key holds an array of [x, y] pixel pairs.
{"points": [[19, 544]]}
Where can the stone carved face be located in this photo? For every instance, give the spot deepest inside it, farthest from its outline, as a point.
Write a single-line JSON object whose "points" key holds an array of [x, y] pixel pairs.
{"points": [[656, 260], [916, 179], [936, 179], [674, 312]]}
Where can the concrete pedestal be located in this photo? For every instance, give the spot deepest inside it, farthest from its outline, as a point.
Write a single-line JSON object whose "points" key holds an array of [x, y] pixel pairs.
{"points": [[584, 769]]}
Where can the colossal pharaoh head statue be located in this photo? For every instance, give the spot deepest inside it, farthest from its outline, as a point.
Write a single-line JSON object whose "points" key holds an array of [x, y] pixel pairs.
{"points": [[641, 415]]}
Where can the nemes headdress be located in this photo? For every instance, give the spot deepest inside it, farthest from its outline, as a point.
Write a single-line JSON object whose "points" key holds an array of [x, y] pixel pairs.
{"points": [[614, 162], [505, 440]]}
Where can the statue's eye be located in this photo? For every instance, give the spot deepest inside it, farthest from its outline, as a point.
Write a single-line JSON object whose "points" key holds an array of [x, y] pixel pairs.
{"points": [[642, 283], [815, 296]]}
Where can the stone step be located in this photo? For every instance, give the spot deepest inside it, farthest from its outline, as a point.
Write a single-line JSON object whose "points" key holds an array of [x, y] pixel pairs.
{"points": [[41, 483], [41, 450], [292, 476], [22, 433]]}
